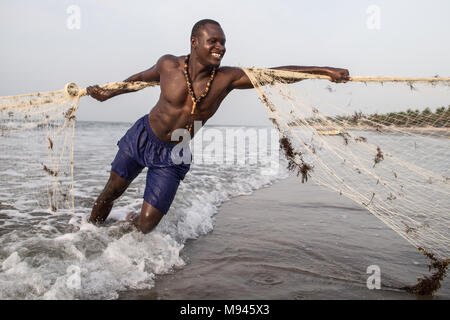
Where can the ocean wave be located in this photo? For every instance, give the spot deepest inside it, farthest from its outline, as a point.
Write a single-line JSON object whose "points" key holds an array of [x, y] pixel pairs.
{"points": [[62, 256]]}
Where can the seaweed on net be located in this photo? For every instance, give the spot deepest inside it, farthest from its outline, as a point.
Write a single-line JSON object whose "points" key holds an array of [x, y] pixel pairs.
{"points": [[429, 285], [301, 166], [378, 157], [50, 171], [390, 203], [50, 142]]}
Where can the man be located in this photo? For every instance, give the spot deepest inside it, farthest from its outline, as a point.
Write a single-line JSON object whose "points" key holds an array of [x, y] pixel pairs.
{"points": [[192, 88]]}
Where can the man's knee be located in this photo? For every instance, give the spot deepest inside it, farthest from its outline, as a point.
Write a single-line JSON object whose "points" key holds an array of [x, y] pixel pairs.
{"points": [[145, 225], [146, 228], [149, 218]]}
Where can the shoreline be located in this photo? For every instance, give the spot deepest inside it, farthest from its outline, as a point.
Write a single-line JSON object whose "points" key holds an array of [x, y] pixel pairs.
{"points": [[292, 241], [386, 129]]}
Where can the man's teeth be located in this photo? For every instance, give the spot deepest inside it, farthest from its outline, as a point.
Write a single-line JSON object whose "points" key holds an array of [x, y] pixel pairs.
{"points": [[216, 55]]}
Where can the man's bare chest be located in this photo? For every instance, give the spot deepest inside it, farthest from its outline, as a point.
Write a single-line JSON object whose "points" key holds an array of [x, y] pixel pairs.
{"points": [[174, 90]]}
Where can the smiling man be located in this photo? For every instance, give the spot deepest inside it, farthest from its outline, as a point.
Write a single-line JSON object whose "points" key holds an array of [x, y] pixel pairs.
{"points": [[192, 89]]}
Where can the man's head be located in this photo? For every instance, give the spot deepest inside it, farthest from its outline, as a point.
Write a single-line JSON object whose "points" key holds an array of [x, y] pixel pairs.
{"points": [[208, 42]]}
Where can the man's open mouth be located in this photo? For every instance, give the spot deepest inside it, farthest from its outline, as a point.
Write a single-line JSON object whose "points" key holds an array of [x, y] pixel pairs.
{"points": [[216, 55]]}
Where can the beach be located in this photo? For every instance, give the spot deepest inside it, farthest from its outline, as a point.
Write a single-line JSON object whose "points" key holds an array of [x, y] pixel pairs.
{"points": [[293, 241], [311, 166], [240, 230]]}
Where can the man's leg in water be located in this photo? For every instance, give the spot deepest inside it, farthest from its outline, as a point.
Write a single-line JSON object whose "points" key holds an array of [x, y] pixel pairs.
{"points": [[114, 188], [161, 186], [148, 219]]}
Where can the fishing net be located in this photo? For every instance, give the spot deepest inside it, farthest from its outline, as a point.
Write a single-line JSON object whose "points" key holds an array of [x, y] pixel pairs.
{"points": [[40, 128], [394, 164]]}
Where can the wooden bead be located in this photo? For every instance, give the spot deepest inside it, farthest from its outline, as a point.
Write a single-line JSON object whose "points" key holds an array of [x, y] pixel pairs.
{"points": [[195, 100]]}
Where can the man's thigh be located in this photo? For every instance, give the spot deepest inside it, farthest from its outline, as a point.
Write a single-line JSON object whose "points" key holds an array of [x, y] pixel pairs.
{"points": [[125, 166], [161, 186]]}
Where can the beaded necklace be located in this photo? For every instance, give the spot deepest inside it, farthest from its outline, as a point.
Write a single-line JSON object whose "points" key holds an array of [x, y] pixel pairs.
{"points": [[195, 100]]}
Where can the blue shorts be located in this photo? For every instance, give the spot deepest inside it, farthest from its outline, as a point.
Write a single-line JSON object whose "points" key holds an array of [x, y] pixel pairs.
{"points": [[140, 148]]}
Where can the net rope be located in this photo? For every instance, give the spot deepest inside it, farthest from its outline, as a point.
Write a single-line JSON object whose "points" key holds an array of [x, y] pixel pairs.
{"points": [[372, 159], [395, 164]]}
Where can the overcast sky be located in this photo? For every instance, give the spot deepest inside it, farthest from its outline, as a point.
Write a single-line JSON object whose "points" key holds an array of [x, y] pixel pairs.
{"points": [[116, 39]]}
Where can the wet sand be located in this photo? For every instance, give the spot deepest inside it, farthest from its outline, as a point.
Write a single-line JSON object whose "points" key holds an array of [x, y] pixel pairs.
{"points": [[293, 241]]}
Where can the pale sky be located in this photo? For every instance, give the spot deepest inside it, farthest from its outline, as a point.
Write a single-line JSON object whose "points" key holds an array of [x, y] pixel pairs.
{"points": [[119, 38]]}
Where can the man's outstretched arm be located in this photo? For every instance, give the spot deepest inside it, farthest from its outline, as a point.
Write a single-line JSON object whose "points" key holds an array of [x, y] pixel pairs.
{"points": [[149, 75], [241, 81]]}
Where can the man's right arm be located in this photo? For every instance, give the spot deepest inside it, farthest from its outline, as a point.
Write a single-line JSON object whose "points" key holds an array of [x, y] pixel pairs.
{"points": [[149, 75], [240, 79]]}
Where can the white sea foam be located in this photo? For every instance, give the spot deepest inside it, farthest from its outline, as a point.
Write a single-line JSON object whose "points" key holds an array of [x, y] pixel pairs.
{"points": [[61, 256]]}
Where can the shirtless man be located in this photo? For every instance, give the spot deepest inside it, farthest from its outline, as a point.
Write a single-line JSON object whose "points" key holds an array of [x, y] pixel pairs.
{"points": [[196, 80]]}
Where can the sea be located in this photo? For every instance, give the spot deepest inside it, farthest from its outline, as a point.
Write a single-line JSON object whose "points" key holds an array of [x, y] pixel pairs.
{"points": [[48, 255]]}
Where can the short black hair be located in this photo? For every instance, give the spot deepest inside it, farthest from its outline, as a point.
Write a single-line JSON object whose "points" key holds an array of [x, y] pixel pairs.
{"points": [[199, 25]]}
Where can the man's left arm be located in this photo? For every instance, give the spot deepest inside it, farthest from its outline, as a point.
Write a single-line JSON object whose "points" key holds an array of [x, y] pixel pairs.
{"points": [[241, 81]]}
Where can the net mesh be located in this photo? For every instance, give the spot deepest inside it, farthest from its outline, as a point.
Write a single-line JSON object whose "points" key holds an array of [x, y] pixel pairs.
{"points": [[48, 120], [394, 164], [41, 128]]}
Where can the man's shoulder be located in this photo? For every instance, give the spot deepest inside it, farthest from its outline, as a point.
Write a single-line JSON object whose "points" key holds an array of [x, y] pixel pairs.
{"points": [[168, 61], [230, 71], [236, 78]]}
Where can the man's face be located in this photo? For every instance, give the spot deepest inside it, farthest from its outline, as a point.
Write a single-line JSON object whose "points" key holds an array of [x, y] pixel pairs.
{"points": [[209, 46]]}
